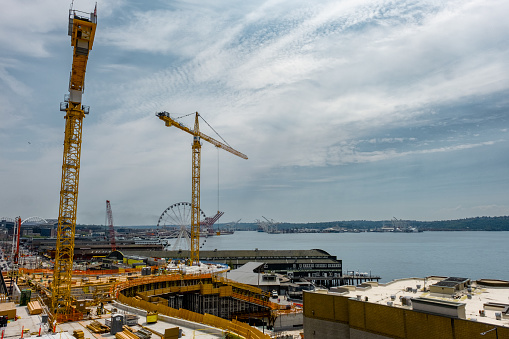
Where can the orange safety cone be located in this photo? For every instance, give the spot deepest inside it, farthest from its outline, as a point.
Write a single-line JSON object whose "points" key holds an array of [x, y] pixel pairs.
{"points": [[22, 330], [39, 331], [3, 334]]}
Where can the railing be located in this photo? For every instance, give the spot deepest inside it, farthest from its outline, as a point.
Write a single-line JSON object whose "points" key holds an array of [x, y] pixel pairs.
{"points": [[116, 288], [256, 290], [257, 301], [81, 272]]}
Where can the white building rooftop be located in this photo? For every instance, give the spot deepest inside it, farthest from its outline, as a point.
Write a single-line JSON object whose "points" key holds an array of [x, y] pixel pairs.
{"points": [[485, 301]]}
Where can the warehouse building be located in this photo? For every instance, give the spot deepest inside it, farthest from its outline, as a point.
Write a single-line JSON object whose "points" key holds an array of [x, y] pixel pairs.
{"points": [[294, 263]]}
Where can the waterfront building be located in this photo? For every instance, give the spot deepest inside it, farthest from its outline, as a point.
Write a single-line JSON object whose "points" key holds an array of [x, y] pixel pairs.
{"points": [[433, 307], [314, 263]]}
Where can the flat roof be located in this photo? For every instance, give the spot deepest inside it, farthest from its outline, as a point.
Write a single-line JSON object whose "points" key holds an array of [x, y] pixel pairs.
{"points": [[245, 254], [480, 295]]}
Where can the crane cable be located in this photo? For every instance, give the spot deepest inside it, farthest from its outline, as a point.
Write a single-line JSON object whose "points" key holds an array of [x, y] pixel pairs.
{"points": [[217, 179], [214, 131], [220, 137]]}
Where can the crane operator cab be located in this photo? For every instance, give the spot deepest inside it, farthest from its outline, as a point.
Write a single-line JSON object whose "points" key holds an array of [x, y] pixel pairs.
{"points": [[163, 114]]}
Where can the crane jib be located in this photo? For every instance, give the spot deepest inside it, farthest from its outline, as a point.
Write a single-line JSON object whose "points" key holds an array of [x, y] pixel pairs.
{"points": [[165, 116]]}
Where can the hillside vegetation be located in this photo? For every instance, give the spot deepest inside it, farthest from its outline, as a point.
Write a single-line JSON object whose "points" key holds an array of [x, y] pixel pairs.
{"points": [[467, 224]]}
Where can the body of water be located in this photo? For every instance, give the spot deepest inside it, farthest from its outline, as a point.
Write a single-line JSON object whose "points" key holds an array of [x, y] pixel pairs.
{"points": [[473, 255]]}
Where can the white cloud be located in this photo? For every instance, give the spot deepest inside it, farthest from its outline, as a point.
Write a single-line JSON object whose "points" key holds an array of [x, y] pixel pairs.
{"points": [[345, 154], [291, 84], [13, 84]]}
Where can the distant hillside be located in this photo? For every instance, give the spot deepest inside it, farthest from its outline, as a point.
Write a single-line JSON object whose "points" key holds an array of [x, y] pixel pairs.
{"points": [[468, 224]]}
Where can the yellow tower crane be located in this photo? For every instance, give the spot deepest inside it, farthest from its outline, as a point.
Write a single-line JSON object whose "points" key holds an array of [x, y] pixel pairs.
{"points": [[82, 30], [195, 199]]}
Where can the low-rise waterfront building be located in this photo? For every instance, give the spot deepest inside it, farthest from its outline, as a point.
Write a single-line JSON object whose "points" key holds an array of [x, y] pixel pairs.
{"points": [[294, 263]]}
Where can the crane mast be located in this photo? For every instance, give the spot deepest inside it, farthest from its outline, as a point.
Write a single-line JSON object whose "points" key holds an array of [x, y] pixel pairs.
{"points": [[82, 31], [195, 198], [110, 223]]}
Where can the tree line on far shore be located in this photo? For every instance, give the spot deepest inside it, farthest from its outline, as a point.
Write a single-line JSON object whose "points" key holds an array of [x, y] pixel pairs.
{"points": [[467, 224]]}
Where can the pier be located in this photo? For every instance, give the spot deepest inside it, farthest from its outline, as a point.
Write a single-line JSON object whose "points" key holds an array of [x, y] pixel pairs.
{"points": [[347, 279]]}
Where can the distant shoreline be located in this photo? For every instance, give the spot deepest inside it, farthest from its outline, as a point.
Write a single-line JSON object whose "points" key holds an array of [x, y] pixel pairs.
{"points": [[463, 225]]}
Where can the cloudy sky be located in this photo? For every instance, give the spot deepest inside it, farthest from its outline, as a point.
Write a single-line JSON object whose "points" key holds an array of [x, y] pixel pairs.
{"points": [[359, 109]]}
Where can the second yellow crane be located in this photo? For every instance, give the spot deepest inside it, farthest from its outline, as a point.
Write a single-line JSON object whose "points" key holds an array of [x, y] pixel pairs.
{"points": [[195, 199]]}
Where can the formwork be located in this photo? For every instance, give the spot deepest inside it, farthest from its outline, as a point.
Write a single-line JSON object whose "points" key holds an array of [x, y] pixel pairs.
{"points": [[201, 298]]}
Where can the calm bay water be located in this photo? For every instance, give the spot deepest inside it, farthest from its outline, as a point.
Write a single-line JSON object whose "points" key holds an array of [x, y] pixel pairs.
{"points": [[473, 255]]}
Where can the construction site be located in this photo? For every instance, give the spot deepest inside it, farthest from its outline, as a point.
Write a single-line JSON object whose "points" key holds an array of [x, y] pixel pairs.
{"points": [[68, 282], [54, 294]]}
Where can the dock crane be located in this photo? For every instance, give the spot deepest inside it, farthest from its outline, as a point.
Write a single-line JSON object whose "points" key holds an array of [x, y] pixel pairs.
{"points": [[208, 223], [82, 31], [195, 199], [109, 214]]}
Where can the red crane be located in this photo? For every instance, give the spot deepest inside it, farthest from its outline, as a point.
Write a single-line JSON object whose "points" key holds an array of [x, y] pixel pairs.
{"points": [[17, 236], [110, 222]]}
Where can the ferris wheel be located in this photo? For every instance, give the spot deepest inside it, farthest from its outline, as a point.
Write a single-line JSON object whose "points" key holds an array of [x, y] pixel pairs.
{"points": [[174, 226]]}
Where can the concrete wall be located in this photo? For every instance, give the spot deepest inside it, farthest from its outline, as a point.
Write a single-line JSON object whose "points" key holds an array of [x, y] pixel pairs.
{"points": [[285, 322], [320, 329], [358, 334]]}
